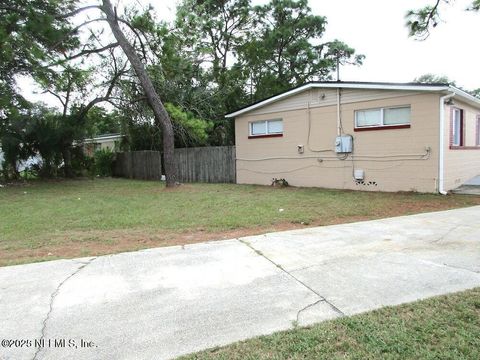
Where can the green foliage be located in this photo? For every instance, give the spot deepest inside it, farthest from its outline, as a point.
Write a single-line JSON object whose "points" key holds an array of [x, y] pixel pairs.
{"points": [[273, 47], [104, 162], [82, 164], [421, 21], [432, 79], [14, 140], [46, 138], [282, 54], [219, 56], [214, 58], [42, 131], [100, 121], [31, 33], [475, 93], [475, 5], [189, 130], [143, 134]]}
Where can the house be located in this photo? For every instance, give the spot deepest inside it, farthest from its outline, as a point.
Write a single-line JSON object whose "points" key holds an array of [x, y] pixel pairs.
{"points": [[105, 141], [361, 135]]}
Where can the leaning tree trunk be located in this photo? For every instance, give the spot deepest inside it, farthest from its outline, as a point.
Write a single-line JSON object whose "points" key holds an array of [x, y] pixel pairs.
{"points": [[153, 99]]}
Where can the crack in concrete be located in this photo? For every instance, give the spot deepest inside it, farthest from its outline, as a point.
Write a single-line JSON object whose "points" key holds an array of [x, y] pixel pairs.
{"points": [[52, 298], [445, 234], [321, 298], [441, 264], [307, 307], [86, 262], [460, 268]]}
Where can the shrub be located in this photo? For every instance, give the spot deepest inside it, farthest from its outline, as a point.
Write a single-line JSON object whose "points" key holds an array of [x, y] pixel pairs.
{"points": [[104, 162], [82, 164]]}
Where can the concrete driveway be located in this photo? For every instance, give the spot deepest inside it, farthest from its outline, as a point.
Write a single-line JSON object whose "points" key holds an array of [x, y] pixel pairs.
{"points": [[471, 187], [165, 302]]}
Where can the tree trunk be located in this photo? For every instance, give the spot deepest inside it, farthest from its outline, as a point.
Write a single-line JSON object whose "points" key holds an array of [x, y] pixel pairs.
{"points": [[161, 115], [15, 173], [67, 162]]}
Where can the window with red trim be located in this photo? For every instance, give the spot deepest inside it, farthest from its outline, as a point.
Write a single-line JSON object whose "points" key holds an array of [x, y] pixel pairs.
{"points": [[478, 131], [263, 128], [386, 117], [457, 138]]}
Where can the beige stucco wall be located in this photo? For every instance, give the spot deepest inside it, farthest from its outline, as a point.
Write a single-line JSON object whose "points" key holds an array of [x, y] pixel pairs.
{"points": [[90, 147], [392, 169], [461, 164], [107, 144]]}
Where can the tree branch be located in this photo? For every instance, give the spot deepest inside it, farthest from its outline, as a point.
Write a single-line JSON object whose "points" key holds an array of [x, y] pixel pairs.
{"points": [[77, 11], [75, 29], [144, 53], [106, 97], [92, 51], [57, 96]]}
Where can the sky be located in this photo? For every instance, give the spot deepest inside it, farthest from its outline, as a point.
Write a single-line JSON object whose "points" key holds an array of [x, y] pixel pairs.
{"points": [[376, 29]]}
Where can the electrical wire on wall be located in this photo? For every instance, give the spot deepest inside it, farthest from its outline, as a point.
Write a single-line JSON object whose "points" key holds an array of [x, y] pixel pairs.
{"points": [[339, 112], [401, 157], [338, 156], [309, 120], [424, 156]]}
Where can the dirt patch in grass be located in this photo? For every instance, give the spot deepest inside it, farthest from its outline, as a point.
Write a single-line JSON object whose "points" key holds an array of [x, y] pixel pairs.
{"points": [[94, 243], [50, 220], [74, 244]]}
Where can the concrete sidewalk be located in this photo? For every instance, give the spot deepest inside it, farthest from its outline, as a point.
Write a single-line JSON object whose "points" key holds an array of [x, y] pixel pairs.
{"points": [[162, 303]]}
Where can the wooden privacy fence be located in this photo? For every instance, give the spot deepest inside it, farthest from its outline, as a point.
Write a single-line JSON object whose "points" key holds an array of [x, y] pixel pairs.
{"points": [[145, 165], [214, 164]]}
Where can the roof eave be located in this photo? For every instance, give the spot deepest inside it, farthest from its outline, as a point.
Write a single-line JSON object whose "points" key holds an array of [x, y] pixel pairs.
{"points": [[406, 87], [472, 100]]}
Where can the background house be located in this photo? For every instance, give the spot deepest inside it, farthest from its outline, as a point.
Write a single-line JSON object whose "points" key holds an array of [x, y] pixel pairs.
{"points": [[366, 136], [104, 141]]}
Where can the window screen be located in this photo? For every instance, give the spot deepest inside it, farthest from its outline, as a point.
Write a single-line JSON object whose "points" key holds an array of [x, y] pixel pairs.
{"points": [[266, 127], [368, 117], [396, 116], [259, 128], [457, 127], [275, 126]]}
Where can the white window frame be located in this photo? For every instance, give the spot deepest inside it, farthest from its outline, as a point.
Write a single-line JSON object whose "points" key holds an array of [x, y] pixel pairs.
{"points": [[461, 126], [382, 117], [267, 130]]}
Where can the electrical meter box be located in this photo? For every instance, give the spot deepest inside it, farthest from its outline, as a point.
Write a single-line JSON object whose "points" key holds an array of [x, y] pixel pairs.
{"points": [[359, 174], [343, 144]]}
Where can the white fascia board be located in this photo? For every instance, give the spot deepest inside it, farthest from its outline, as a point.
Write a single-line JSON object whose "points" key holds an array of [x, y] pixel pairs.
{"points": [[463, 95], [113, 137], [105, 138], [405, 87], [270, 100], [342, 86]]}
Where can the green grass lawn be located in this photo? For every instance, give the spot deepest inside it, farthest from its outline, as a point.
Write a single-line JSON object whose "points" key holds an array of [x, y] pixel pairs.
{"points": [[444, 327], [58, 219]]}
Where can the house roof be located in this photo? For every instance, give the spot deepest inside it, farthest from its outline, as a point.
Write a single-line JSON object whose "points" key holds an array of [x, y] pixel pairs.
{"points": [[104, 137], [431, 87]]}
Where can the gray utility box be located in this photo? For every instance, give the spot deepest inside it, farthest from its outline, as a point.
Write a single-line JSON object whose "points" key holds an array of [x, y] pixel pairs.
{"points": [[343, 144]]}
